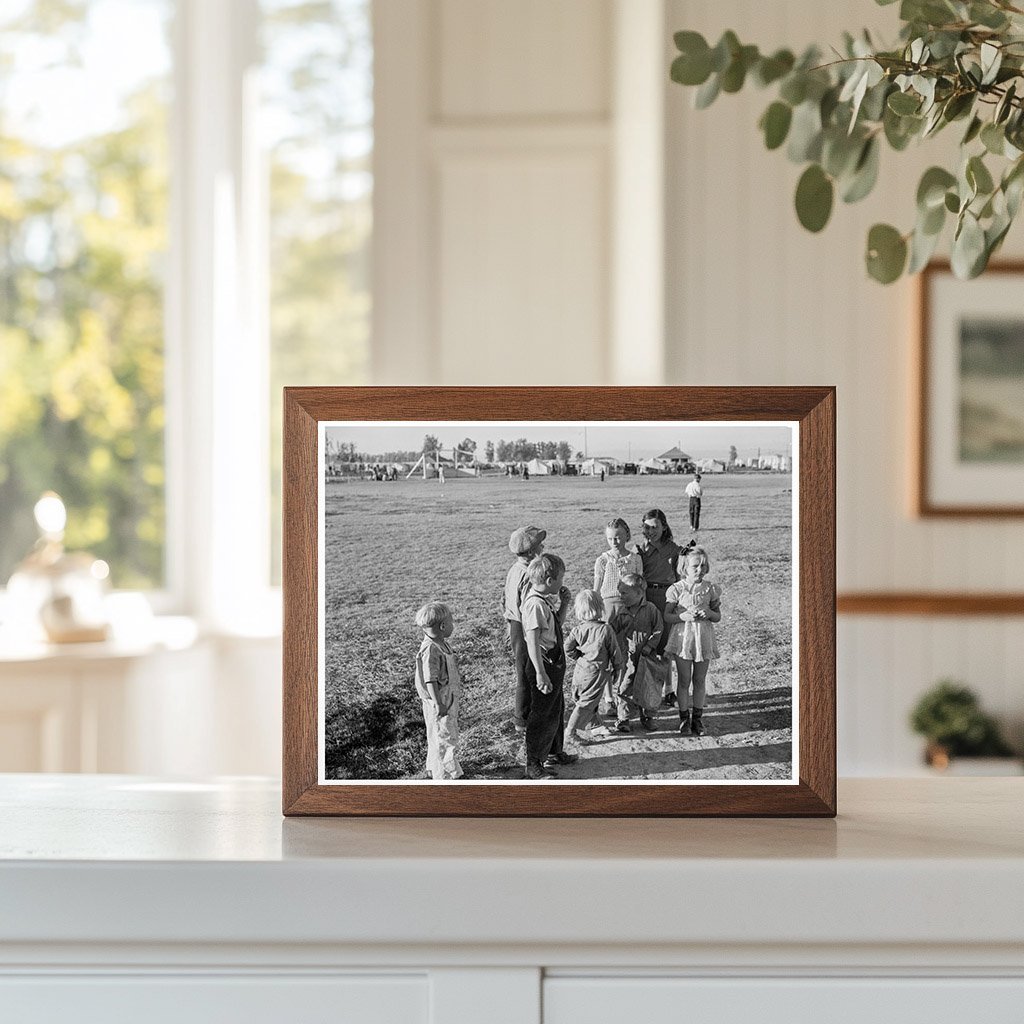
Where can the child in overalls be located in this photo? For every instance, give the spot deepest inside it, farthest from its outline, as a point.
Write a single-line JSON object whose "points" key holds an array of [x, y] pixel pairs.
{"points": [[543, 611], [439, 687]]}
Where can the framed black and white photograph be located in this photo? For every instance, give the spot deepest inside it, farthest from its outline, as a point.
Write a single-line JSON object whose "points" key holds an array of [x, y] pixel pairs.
{"points": [[505, 611], [970, 444]]}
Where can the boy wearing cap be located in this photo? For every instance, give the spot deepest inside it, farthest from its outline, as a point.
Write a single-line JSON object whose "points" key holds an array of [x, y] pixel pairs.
{"points": [[526, 544]]}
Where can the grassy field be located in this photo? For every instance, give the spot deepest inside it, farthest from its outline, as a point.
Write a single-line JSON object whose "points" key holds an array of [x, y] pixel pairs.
{"points": [[392, 546]]}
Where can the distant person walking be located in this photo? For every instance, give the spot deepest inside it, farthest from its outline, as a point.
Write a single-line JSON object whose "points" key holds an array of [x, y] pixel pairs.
{"points": [[694, 492]]}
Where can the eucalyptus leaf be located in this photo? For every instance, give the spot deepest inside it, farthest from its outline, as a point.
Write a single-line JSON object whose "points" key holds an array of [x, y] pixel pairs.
{"points": [[805, 133], [978, 176], [886, 253], [1005, 105], [735, 74], [794, 88], [987, 15], [708, 92], [973, 129], [775, 124], [932, 221], [922, 248], [958, 105], [865, 173], [693, 67], [840, 152], [723, 51], [968, 247], [931, 190], [771, 69], [904, 103], [814, 195], [993, 138], [991, 61], [952, 202]]}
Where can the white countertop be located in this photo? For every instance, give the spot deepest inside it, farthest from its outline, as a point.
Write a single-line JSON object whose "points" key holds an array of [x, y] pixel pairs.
{"points": [[124, 859]]}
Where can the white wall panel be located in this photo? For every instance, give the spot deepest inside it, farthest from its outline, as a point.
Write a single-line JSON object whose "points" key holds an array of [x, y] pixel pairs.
{"points": [[752, 298], [527, 58], [521, 292]]}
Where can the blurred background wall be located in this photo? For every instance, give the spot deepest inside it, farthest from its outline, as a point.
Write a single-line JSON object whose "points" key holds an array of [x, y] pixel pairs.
{"points": [[417, 192]]}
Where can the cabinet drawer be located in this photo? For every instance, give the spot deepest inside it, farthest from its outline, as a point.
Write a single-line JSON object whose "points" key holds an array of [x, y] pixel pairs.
{"points": [[603, 1000], [202, 999]]}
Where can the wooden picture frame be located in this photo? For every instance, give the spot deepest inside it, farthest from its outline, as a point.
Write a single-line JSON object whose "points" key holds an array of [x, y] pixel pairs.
{"points": [[954, 475], [811, 414]]}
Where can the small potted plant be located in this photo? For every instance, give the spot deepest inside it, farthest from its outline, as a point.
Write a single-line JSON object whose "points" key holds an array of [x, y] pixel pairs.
{"points": [[950, 717]]}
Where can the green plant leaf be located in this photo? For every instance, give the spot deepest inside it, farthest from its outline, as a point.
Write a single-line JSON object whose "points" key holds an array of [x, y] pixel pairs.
{"points": [[886, 254], [931, 191], [922, 247], [952, 202], [724, 51], [958, 106], [900, 130], [968, 255], [993, 138], [735, 74], [814, 194], [693, 65], [775, 124], [839, 151], [794, 89], [865, 173], [987, 15], [1005, 104], [978, 176], [973, 129], [707, 93], [805, 133], [771, 69], [904, 103], [991, 60]]}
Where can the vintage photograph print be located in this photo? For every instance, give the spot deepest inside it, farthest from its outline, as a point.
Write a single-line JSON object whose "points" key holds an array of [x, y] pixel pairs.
{"points": [[587, 608], [493, 590]]}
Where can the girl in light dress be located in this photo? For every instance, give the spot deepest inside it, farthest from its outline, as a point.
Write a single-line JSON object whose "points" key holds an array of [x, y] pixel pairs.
{"points": [[691, 607], [610, 567]]}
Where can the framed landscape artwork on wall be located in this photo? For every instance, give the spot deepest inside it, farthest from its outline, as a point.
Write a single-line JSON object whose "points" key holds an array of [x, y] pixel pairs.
{"points": [[559, 601], [970, 420]]}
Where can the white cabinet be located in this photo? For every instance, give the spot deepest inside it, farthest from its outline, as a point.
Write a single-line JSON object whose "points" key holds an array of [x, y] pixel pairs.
{"points": [[132, 898], [201, 999], [828, 1000]]}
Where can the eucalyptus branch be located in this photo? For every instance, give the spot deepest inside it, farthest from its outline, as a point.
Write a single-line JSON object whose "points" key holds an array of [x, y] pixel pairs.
{"points": [[833, 117]]}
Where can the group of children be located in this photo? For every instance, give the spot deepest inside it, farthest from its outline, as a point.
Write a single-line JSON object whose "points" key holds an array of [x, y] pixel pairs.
{"points": [[617, 626]]}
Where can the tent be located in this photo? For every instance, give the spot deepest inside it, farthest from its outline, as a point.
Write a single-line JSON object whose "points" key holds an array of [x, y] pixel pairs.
{"points": [[538, 468], [711, 466], [654, 466], [593, 467]]}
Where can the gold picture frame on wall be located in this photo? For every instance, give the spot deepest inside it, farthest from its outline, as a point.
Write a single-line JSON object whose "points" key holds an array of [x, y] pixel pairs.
{"points": [[969, 449], [366, 542]]}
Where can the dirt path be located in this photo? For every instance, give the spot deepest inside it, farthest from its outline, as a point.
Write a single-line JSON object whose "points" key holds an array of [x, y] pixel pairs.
{"points": [[749, 736]]}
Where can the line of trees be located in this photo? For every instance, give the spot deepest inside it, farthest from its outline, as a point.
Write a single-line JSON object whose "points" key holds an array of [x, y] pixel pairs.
{"points": [[519, 450]]}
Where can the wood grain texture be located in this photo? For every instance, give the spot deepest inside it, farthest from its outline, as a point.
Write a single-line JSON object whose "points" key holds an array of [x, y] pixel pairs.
{"points": [[812, 407], [921, 501], [924, 603], [299, 597]]}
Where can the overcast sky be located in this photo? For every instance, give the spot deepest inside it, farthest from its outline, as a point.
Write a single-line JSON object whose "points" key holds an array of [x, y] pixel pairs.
{"points": [[634, 441]]}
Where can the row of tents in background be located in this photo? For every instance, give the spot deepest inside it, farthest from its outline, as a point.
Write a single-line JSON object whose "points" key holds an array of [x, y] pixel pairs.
{"points": [[455, 461]]}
